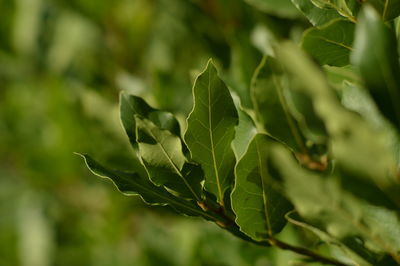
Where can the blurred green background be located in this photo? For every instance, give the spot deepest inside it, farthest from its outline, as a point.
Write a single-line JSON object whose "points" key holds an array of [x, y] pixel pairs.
{"points": [[62, 66]]}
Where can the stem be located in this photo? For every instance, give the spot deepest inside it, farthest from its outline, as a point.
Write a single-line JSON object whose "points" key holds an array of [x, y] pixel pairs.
{"points": [[229, 224], [299, 250]]}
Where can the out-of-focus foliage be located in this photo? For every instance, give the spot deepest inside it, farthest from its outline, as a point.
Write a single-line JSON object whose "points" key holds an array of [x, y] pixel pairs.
{"points": [[306, 148], [63, 65]]}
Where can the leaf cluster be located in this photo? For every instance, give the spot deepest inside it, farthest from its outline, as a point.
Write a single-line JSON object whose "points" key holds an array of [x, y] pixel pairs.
{"points": [[313, 141]]}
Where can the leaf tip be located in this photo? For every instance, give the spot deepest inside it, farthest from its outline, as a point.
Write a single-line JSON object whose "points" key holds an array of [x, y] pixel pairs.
{"points": [[79, 154], [210, 65]]}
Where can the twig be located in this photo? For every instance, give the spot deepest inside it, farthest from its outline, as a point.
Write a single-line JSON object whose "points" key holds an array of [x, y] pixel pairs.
{"points": [[325, 260]]}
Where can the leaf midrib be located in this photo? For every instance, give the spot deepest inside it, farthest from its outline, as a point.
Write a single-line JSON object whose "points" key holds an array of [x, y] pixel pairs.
{"points": [[336, 43], [341, 11], [169, 200], [263, 185], [174, 166], [385, 9], [152, 192], [212, 140]]}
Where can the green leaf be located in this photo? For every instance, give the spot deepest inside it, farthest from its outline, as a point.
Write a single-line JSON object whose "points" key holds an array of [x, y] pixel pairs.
{"points": [[211, 129], [388, 9], [350, 248], [330, 44], [281, 8], [271, 107], [363, 188], [302, 109], [244, 59], [131, 105], [244, 132], [335, 4], [343, 7], [161, 153], [376, 57], [317, 16], [320, 199], [337, 76], [348, 132], [385, 224], [133, 184], [259, 206], [356, 98]]}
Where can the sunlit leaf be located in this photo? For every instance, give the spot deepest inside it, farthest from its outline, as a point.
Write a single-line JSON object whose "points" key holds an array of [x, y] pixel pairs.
{"points": [[211, 129]]}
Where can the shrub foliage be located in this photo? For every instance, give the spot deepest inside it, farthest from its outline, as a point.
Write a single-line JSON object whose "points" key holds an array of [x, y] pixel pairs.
{"points": [[313, 141]]}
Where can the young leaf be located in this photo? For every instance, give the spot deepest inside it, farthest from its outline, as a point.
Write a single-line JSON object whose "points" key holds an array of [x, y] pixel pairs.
{"points": [[258, 206], [211, 129], [133, 184], [330, 44], [317, 16], [271, 106], [376, 57], [162, 155], [131, 105]]}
